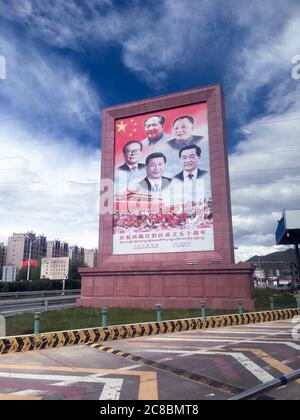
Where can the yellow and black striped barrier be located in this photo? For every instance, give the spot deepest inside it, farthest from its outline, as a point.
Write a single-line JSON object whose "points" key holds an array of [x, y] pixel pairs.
{"points": [[95, 335]]}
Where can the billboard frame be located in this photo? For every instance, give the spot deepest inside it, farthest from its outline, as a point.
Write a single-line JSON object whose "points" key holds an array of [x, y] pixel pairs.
{"points": [[179, 279], [223, 236]]}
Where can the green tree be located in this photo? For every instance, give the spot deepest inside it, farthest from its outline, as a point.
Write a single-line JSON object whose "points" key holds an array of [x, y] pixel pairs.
{"points": [[35, 272], [73, 269], [22, 274]]}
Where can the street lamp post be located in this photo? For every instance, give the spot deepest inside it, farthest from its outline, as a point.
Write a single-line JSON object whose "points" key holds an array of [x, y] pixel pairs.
{"points": [[29, 258], [64, 285]]}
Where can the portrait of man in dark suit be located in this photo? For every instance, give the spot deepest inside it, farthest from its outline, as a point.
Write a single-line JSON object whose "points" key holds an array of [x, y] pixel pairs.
{"points": [[183, 128], [193, 182], [132, 152], [155, 168], [190, 158]]}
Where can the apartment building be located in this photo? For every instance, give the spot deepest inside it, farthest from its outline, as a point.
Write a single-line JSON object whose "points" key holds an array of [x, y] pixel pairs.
{"points": [[18, 248], [76, 253], [3, 250], [57, 249]]}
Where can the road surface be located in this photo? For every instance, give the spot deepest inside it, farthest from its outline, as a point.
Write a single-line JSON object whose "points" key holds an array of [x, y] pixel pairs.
{"points": [[197, 365]]}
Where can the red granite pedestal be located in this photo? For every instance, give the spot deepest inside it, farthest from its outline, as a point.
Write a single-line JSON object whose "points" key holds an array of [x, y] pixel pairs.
{"points": [[220, 287], [179, 279]]}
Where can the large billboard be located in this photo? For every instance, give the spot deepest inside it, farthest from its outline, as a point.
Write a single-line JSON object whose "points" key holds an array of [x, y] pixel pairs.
{"points": [[162, 182]]}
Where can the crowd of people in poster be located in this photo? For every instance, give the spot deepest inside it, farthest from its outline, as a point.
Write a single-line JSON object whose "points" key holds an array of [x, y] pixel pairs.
{"points": [[162, 199]]}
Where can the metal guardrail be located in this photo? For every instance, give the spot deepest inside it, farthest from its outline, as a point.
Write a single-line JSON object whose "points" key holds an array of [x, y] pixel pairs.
{"points": [[268, 386], [41, 304], [40, 293]]}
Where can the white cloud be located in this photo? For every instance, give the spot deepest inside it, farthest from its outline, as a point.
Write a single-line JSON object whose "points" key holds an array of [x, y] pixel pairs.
{"points": [[265, 56], [37, 83], [51, 189], [169, 40], [171, 37], [154, 39], [48, 180], [247, 251], [265, 180], [139, 29], [64, 24]]}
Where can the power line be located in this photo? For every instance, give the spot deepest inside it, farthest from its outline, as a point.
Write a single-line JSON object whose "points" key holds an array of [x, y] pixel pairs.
{"points": [[46, 191], [56, 140], [79, 166], [51, 182], [46, 182], [31, 145], [265, 153], [232, 184], [273, 182], [258, 260], [266, 170], [58, 143], [52, 115], [273, 121], [55, 167], [98, 112]]}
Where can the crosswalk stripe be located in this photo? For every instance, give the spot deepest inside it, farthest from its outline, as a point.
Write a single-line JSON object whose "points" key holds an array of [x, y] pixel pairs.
{"points": [[252, 367], [269, 360]]}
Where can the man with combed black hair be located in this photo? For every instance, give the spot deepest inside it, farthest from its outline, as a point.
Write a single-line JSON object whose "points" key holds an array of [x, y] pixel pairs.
{"points": [[155, 168], [183, 130], [190, 157], [192, 182]]}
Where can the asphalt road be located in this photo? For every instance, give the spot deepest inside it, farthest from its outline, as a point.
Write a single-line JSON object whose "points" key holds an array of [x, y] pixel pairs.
{"points": [[198, 365]]}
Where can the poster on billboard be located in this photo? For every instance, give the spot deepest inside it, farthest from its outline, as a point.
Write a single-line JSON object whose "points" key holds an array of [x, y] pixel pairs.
{"points": [[162, 182]]}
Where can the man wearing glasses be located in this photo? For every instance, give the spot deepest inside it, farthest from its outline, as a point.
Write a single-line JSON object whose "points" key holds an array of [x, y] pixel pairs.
{"points": [[132, 152]]}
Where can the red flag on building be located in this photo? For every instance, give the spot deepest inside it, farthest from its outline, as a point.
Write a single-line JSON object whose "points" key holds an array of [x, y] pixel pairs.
{"points": [[33, 263]]}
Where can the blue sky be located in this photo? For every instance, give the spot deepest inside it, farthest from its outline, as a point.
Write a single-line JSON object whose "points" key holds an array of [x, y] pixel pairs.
{"points": [[65, 61]]}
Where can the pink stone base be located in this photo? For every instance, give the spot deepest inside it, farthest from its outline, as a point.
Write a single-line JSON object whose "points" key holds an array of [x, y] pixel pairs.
{"points": [[220, 288]]}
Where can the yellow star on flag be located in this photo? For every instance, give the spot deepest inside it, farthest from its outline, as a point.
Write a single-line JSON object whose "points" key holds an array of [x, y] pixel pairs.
{"points": [[121, 127]]}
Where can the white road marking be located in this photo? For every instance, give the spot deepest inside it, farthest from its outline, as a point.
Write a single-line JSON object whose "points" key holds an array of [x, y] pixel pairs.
{"points": [[224, 340], [111, 389], [29, 392], [192, 339], [129, 368], [266, 327], [246, 332], [252, 367], [109, 393]]}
